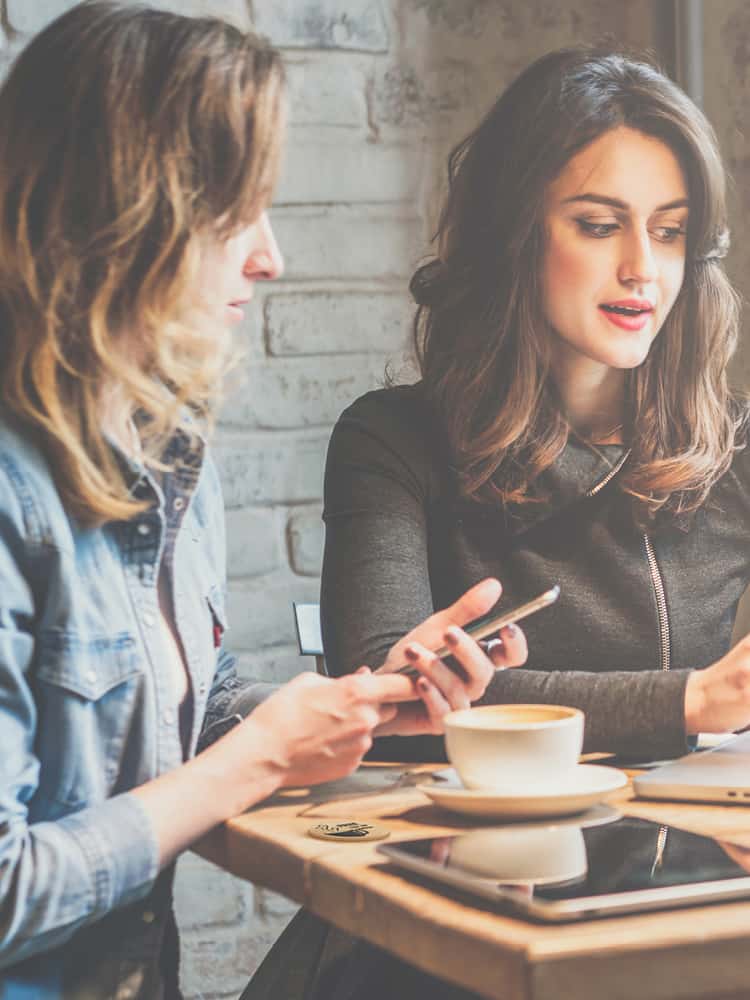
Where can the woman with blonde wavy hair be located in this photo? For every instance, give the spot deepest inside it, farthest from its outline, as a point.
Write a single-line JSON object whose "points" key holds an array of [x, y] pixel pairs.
{"points": [[138, 156], [573, 423]]}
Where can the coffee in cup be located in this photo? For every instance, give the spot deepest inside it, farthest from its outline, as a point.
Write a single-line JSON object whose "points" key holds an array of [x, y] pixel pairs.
{"points": [[514, 746]]}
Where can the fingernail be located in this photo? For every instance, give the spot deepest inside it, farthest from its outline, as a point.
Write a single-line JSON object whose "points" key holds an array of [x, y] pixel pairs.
{"points": [[451, 636], [423, 685], [410, 653], [511, 630], [492, 644]]}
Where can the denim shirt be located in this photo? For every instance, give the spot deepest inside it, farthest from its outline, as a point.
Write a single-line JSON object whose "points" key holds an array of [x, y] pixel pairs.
{"points": [[88, 712]]}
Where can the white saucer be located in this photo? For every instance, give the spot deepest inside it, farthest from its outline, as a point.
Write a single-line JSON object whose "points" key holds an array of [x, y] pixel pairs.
{"points": [[588, 784]]}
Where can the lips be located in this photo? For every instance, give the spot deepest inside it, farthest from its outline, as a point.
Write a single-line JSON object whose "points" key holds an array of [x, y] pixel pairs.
{"points": [[629, 314], [234, 310]]}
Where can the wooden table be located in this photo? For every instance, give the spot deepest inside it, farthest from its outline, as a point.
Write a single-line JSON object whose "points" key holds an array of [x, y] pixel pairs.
{"points": [[699, 952]]}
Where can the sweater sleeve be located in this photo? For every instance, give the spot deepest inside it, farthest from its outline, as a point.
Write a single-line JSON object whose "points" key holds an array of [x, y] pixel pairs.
{"points": [[634, 714], [375, 585], [376, 582]]}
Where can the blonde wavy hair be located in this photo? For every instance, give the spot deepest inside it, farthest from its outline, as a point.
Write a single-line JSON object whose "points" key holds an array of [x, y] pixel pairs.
{"points": [[481, 335], [128, 134]]}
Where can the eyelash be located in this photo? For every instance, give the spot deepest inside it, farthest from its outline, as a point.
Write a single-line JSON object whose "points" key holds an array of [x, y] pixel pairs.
{"points": [[601, 230]]}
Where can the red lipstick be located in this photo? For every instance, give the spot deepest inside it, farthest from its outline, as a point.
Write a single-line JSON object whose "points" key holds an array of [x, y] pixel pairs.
{"points": [[628, 314]]}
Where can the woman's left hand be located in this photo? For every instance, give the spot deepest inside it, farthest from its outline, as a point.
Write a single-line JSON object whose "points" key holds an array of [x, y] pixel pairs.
{"points": [[439, 688]]}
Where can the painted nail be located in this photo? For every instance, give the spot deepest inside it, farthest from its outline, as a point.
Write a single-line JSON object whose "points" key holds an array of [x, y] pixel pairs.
{"points": [[451, 636], [492, 644], [511, 630], [410, 653]]}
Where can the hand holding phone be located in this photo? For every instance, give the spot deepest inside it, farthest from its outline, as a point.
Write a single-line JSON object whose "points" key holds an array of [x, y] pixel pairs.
{"points": [[489, 625]]}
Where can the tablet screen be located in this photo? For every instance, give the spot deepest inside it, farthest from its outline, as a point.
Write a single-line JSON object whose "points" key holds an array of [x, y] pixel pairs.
{"points": [[567, 862]]}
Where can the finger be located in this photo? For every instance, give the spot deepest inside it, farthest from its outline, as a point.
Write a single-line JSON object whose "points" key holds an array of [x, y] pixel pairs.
{"points": [[475, 602], [478, 668], [495, 651], [435, 704], [410, 719], [513, 651], [386, 713], [451, 686], [385, 687]]}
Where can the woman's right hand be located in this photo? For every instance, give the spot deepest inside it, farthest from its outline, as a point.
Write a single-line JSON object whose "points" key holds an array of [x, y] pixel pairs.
{"points": [[717, 699], [316, 728]]}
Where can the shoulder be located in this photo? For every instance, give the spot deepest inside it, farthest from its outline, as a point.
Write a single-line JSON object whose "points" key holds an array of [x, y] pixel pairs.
{"points": [[29, 500], [391, 432], [399, 415]]}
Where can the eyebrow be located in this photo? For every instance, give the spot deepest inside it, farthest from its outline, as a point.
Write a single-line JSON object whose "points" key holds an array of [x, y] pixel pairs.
{"points": [[603, 199]]}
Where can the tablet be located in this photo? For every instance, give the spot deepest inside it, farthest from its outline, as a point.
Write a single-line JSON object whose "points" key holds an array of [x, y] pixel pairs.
{"points": [[567, 872]]}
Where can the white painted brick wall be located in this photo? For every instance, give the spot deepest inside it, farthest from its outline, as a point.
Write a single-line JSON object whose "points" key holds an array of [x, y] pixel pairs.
{"points": [[379, 91], [324, 24], [289, 392], [346, 241], [317, 322], [306, 539]]}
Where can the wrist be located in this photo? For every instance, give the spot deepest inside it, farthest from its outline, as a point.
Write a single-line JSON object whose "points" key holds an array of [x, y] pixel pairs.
{"points": [[239, 769], [695, 703]]}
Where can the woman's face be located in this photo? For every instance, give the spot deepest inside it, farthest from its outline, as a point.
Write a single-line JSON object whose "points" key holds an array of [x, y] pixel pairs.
{"points": [[229, 269], [614, 258]]}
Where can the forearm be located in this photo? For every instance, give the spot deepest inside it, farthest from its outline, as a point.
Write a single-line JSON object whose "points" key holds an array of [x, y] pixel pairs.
{"points": [[638, 714], [222, 781]]}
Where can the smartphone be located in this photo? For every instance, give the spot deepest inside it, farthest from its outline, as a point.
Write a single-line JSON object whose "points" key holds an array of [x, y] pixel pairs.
{"points": [[489, 625]]}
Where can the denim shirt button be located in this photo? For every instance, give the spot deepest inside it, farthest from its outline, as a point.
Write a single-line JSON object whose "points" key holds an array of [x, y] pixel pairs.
{"points": [[179, 503], [168, 717], [148, 619], [144, 528], [202, 689], [91, 676], [148, 916]]}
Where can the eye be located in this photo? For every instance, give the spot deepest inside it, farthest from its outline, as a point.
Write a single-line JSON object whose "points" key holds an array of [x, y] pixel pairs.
{"points": [[597, 230], [669, 234]]}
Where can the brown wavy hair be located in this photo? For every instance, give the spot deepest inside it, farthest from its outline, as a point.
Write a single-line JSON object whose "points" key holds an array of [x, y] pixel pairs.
{"points": [[127, 133], [481, 336]]}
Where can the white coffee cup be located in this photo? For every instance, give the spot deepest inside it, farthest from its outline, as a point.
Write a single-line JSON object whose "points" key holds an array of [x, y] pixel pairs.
{"points": [[539, 855], [514, 746]]}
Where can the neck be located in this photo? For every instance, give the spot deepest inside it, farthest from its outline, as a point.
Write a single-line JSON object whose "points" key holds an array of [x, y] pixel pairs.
{"points": [[593, 398]]}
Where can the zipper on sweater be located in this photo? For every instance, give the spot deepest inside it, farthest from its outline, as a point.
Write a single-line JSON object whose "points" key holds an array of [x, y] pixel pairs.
{"points": [[661, 608], [661, 601], [610, 475], [664, 637]]}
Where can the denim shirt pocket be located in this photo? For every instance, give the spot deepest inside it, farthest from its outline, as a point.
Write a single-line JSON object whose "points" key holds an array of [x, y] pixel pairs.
{"points": [[87, 693]]}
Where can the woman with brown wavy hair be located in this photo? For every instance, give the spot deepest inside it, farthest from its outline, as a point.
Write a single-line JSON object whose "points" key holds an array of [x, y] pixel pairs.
{"points": [[573, 423], [137, 158]]}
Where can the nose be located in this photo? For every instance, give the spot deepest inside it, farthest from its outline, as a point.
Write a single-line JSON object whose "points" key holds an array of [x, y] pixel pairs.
{"points": [[638, 265], [264, 262]]}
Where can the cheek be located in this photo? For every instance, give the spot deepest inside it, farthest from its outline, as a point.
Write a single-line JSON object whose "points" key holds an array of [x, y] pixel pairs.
{"points": [[568, 273], [673, 274]]}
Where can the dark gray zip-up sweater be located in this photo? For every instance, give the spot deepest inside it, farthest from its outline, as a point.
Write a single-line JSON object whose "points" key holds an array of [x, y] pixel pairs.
{"points": [[636, 612]]}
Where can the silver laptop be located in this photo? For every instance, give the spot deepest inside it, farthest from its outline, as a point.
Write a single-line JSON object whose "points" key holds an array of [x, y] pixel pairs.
{"points": [[719, 774]]}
